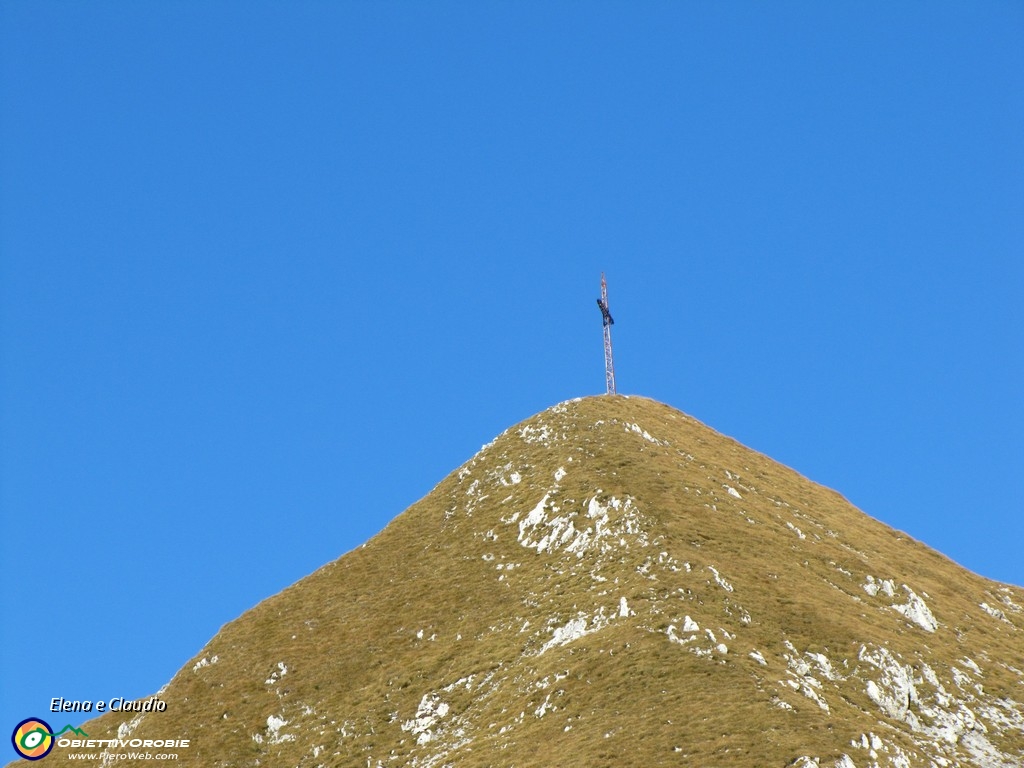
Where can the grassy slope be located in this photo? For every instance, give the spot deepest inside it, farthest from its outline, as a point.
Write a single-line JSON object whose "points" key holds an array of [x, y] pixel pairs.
{"points": [[371, 638]]}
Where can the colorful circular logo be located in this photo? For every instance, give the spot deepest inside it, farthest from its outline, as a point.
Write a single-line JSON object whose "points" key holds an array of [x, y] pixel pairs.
{"points": [[32, 738]]}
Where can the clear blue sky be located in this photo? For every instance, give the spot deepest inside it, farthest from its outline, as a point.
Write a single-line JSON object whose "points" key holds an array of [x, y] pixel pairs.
{"points": [[269, 271]]}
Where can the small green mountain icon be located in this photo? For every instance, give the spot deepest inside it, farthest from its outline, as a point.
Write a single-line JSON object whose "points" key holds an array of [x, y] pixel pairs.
{"points": [[76, 731]]}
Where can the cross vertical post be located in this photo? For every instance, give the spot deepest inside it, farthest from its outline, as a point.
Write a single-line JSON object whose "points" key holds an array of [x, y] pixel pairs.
{"points": [[607, 323]]}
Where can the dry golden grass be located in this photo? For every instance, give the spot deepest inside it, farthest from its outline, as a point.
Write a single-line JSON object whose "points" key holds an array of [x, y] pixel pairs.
{"points": [[423, 610]]}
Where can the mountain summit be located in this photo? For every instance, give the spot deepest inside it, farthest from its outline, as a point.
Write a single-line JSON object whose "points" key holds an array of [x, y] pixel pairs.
{"points": [[612, 583]]}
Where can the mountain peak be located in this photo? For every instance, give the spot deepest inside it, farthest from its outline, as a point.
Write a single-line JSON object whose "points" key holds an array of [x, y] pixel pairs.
{"points": [[611, 582]]}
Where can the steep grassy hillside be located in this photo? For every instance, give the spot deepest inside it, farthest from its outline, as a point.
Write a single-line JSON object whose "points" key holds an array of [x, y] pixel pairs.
{"points": [[612, 583]]}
